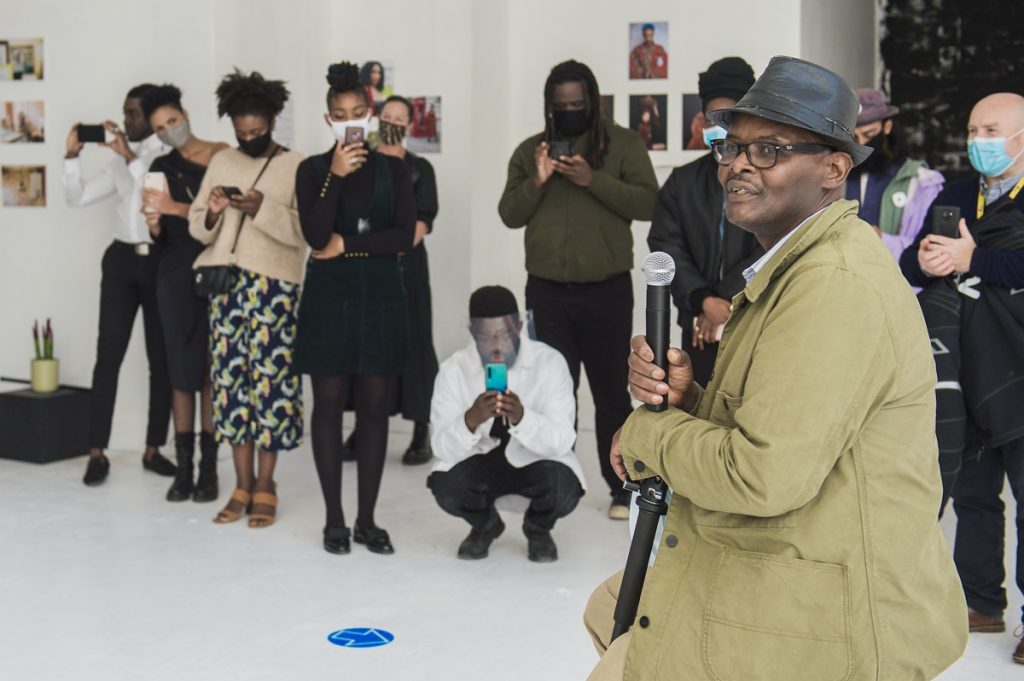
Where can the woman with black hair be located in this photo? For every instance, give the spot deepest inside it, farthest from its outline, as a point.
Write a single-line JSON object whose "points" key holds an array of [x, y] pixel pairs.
{"points": [[183, 314], [245, 213], [371, 75], [416, 385], [358, 214]]}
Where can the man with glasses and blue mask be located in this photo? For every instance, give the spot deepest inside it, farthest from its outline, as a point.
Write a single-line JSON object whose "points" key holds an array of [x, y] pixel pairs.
{"points": [[690, 225], [981, 274], [801, 540], [502, 413]]}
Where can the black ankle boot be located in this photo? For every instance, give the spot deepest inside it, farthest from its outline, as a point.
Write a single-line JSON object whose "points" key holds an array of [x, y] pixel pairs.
{"points": [[184, 452], [207, 488], [419, 449]]}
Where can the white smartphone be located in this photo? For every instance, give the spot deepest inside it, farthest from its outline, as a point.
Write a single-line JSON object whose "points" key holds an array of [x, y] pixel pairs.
{"points": [[157, 181]]}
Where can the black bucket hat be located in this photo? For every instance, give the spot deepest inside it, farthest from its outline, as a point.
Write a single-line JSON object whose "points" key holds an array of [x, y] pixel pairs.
{"points": [[806, 96]]}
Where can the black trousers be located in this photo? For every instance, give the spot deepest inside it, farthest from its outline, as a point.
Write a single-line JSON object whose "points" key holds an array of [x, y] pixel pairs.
{"points": [[591, 324], [981, 524], [703, 361], [129, 282], [469, 489]]}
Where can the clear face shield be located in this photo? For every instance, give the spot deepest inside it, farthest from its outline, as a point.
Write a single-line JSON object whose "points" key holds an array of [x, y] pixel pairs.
{"points": [[497, 338]]}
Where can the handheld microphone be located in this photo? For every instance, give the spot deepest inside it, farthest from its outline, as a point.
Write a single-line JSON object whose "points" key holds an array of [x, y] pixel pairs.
{"points": [[659, 270]]}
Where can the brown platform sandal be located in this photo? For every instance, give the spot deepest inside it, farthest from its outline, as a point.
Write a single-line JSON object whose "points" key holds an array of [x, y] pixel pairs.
{"points": [[226, 515], [258, 520]]}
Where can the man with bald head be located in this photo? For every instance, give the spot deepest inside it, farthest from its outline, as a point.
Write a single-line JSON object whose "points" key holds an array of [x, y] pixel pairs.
{"points": [[981, 274], [801, 541]]}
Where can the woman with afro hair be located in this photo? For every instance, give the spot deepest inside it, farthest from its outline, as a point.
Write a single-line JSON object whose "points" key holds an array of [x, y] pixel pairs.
{"points": [[245, 213], [358, 214]]}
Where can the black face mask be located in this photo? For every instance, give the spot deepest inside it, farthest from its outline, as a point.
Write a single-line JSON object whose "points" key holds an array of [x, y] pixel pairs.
{"points": [[570, 123], [256, 146], [880, 157]]}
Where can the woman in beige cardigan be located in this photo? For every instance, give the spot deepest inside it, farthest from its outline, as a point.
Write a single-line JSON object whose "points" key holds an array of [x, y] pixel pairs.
{"points": [[245, 213]]}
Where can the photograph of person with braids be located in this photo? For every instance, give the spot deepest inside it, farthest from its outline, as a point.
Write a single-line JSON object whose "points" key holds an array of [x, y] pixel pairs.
{"points": [[576, 187], [358, 213], [245, 214]]}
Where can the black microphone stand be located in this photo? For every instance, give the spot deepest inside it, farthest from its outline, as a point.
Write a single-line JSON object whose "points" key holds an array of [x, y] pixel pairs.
{"points": [[651, 502], [652, 506]]}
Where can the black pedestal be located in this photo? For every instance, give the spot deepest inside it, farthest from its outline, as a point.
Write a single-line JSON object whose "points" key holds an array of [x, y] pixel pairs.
{"points": [[44, 427]]}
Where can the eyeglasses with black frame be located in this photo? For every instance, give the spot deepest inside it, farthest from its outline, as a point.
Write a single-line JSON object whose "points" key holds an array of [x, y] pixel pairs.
{"points": [[761, 155]]}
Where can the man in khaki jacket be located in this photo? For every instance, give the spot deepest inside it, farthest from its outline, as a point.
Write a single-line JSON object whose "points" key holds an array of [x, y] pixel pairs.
{"points": [[801, 543]]}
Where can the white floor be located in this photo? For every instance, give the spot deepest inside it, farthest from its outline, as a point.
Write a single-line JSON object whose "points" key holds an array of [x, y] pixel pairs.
{"points": [[115, 583]]}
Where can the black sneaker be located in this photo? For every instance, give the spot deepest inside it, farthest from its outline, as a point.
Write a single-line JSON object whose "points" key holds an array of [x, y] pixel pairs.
{"points": [[96, 471], [476, 545], [160, 465], [541, 548]]}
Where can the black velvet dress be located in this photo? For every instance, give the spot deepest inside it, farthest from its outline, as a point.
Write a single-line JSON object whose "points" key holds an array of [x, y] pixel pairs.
{"points": [[417, 384], [352, 317], [183, 314]]}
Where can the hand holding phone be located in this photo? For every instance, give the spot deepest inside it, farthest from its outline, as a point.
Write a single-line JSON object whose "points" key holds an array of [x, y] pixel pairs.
{"points": [[231, 192], [559, 149], [496, 377], [946, 221], [94, 134], [354, 134], [153, 182]]}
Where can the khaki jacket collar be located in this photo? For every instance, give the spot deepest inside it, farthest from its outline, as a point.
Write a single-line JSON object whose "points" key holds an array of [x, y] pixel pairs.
{"points": [[807, 236]]}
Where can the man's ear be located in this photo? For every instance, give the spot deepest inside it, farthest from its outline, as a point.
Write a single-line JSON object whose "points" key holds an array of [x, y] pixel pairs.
{"points": [[838, 165]]}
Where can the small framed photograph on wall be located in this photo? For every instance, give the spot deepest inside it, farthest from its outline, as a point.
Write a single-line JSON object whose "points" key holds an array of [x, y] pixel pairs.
{"points": [[647, 117]]}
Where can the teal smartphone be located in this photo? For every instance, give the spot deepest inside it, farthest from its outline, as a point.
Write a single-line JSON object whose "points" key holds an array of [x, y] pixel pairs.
{"points": [[496, 377]]}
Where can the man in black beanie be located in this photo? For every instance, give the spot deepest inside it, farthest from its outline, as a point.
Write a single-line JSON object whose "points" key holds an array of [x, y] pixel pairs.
{"points": [[689, 224], [503, 416]]}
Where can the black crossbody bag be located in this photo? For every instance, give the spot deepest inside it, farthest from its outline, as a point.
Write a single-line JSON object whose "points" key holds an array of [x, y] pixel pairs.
{"points": [[212, 280]]}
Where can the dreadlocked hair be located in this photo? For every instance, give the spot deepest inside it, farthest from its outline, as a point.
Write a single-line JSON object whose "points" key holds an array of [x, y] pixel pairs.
{"points": [[239, 94], [344, 77], [597, 135], [158, 96]]}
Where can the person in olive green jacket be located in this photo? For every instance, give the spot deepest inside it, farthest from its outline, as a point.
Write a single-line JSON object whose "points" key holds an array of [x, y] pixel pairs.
{"points": [[801, 542], [576, 188]]}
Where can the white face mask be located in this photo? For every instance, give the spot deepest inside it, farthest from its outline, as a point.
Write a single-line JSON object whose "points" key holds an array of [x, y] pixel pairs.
{"points": [[339, 127]]}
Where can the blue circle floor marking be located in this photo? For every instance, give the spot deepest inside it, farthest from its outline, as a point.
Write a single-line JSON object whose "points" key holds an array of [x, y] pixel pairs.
{"points": [[361, 637]]}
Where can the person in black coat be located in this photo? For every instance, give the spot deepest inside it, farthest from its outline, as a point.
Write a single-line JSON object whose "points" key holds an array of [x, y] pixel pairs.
{"points": [[984, 266], [416, 386], [689, 224]]}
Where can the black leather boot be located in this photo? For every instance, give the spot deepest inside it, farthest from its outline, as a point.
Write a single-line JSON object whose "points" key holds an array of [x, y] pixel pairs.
{"points": [[184, 452], [419, 449], [207, 488]]}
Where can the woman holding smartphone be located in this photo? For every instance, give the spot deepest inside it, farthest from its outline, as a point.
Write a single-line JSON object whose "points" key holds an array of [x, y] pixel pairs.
{"points": [[245, 213], [358, 213], [183, 314]]}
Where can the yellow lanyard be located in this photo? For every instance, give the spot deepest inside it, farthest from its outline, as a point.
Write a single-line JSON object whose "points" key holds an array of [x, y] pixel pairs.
{"points": [[1013, 194]]}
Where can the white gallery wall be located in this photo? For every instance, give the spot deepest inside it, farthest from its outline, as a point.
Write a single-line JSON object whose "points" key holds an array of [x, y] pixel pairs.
{"points": [[487, 59]]}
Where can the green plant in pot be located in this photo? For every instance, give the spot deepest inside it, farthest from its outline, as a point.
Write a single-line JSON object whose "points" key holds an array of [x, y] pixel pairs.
{"points": [[45, 369]]}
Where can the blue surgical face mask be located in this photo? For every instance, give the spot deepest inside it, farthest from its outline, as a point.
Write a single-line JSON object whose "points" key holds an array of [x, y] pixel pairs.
{"points": [[715, 132], [988, 154]]}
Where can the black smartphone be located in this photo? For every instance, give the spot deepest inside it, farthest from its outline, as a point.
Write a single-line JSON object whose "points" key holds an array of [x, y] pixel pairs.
{"points": [[354, 134], [91, 133], [231, 192], [946, 221], [560, 149]]}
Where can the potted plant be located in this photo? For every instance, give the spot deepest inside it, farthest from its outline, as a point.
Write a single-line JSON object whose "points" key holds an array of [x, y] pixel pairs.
{"points": [[45, 368]]}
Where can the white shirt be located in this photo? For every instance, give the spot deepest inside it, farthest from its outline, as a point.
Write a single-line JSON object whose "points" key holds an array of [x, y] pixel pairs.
{"points": [[540, 377], [119, 177], [752, 271]]}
